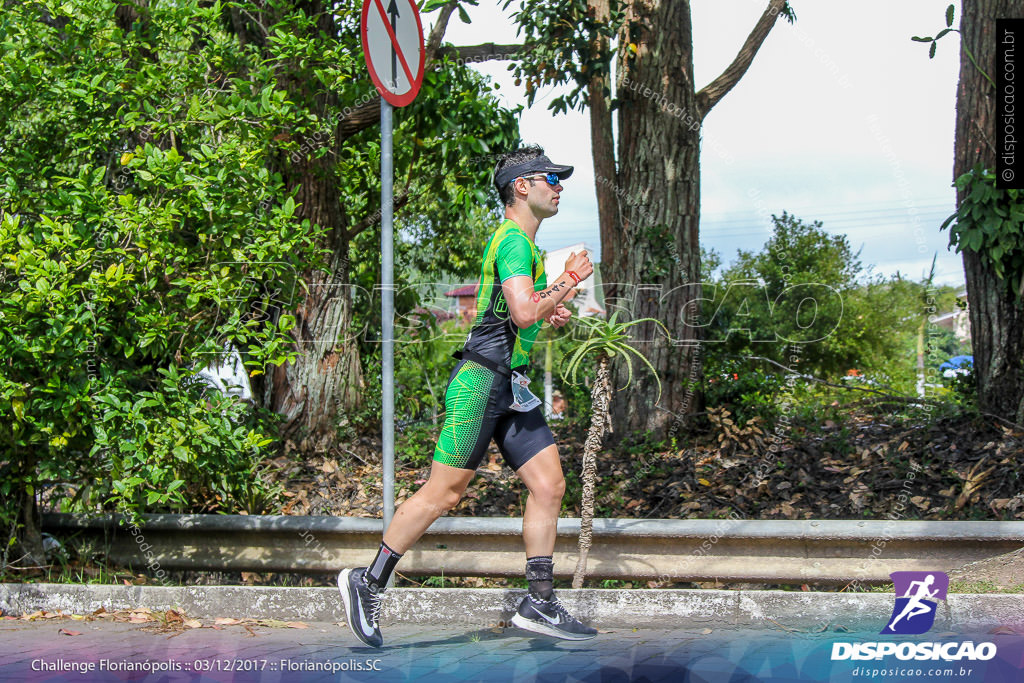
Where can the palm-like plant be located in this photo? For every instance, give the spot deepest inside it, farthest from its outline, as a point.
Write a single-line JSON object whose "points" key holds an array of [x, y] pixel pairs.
{"points": [[607, 339]]}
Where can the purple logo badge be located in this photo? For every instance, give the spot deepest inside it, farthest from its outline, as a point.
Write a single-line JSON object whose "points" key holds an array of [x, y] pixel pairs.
{"points": [[916, 596]]}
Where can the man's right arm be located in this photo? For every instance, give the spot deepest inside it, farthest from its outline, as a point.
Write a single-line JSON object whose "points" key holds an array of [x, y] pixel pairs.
{"points": [[527, 306]]}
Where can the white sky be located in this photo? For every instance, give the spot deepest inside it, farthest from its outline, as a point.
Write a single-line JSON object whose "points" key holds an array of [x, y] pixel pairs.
{"points": [[840, 118]]}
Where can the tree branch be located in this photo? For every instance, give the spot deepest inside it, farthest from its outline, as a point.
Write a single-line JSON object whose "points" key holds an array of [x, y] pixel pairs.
{"points": [[484, 52], [714, 91], [801, 375], [400, 201]]}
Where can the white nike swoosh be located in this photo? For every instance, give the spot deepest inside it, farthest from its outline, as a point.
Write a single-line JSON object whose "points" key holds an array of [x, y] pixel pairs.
{"points": [[556, 620], [367, 629]]}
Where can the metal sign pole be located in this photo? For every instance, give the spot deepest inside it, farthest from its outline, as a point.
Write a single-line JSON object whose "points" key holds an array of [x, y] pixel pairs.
{"points": [[387, 308], [382, 37]]}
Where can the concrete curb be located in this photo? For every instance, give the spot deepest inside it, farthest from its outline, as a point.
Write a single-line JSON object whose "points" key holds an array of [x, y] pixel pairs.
{"points": [[487, 607]]}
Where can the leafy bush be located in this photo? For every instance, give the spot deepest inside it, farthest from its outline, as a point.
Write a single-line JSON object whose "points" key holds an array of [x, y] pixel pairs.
{"points": [[414, 445], [103, 312], [177, 449], [423, 363], [742, 387], [806, 302]]}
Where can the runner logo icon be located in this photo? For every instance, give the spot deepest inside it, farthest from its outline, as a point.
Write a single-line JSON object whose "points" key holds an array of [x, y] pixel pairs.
{"points": [[917, 594]]}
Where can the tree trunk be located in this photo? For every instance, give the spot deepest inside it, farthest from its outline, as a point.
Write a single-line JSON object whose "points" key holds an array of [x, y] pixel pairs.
{"points": [[600, 398], [27, 550], [603, 144], [654, 253], [326, 378], [652, 260], [996, 315]]}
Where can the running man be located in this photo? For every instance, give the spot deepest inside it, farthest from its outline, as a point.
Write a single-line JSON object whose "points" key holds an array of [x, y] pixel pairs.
{"points": [[915, 606], [487, 398]]}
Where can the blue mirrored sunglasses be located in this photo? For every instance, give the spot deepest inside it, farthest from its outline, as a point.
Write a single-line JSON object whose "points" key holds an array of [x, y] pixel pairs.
{"points": [[551, 178]]}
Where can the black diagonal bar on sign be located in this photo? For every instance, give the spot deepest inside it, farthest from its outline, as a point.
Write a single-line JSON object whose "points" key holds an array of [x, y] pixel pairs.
{"points": [[395, 47]]}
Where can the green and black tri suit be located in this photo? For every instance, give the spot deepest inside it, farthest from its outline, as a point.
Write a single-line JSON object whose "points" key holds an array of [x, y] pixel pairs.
{"points": [[479, 392]]}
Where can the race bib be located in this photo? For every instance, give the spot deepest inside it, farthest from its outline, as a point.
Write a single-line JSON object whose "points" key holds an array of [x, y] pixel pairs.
{"points": [[523, 399]]}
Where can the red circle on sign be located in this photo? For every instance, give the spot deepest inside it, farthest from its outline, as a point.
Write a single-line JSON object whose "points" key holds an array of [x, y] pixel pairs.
{"points": [[408, 96]]}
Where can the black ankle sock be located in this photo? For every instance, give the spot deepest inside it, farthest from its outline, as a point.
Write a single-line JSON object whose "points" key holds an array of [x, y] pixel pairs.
{"points": [[540, 575], [377, 574]]}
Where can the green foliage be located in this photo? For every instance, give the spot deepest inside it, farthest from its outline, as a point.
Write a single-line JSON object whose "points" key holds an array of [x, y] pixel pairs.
{"points": [[933, 42], [173, 449], [812, 405], [414, 445], [140, 231], [803, 301], [744, 388], [149, 184], [576, 394], [792, 292], [562, 40], [988, 222], [606, 337], [963, 390], [423, 360], [91, 380]]}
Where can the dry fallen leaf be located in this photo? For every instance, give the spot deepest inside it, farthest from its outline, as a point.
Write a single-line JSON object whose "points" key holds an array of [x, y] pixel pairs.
{"points": [[66, 632], [226, 621], [1003, 630]]}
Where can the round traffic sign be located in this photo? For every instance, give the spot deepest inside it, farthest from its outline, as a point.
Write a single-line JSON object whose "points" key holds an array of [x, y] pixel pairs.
{"points": [[393, 44]]}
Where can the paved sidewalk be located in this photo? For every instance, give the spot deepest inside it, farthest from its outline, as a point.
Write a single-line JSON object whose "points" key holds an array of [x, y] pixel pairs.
{"points": [[109, 651]]}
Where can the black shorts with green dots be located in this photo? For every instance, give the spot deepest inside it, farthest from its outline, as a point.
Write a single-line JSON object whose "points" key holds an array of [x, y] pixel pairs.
{"points": [[477, 402]]}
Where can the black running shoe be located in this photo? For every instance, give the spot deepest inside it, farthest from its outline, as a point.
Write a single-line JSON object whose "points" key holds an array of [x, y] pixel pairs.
{"points": [[362, 606], [550, 618]]}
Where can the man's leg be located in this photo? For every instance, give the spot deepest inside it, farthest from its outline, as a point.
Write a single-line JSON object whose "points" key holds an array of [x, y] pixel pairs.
{"points": [[441, 493], [542, 475], [540, 611], [460, 447], [360, 588]]}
